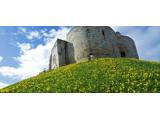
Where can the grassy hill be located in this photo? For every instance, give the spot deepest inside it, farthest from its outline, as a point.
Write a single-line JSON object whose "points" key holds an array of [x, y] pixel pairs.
{"points": [[100, 75]]}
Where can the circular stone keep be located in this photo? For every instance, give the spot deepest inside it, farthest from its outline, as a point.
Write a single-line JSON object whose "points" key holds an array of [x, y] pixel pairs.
{"points": [[100, 41]]}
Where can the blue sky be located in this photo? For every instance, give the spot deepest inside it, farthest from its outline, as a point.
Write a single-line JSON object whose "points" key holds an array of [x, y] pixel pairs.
{"points": [[24, 51]]}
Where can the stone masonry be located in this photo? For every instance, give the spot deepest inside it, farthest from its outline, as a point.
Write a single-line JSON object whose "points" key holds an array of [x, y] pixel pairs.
{"points": [[84, 42]]}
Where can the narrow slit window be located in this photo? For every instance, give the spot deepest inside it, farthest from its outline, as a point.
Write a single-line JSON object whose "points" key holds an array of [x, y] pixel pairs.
{"points": [[88, 32], [103, 34]]}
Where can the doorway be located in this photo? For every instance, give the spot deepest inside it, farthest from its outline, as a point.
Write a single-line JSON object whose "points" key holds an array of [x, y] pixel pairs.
{"points": [[123, 54]]}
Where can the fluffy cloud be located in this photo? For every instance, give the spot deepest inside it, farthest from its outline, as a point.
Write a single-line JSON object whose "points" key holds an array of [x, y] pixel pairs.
{"points": [[33, 34], [22, 29], [29, 34], [3, 85], [34, 60], [24, 47], [147, 40], [1, 58]]}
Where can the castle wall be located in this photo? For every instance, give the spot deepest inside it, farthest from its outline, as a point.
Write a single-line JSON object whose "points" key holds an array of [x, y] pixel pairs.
{"points": [[96, 41], [99, 41], [61, 54], [102, 41], [71, 53], [54, 58], [127, 45], [78, 37]]}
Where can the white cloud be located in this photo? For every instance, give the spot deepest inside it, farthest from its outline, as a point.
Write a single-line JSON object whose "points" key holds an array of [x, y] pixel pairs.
{"points": [[3, 85], [1, 58], [22, 29], [34, 60], [33, 34], [30, 35], [56, 34], [24, 47]]}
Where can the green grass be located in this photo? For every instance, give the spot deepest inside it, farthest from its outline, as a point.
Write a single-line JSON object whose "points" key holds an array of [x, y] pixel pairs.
{"points": [[106, 75]]}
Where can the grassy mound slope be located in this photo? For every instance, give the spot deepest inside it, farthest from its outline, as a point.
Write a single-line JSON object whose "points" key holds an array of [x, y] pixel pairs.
{"points": [[100, 75]]}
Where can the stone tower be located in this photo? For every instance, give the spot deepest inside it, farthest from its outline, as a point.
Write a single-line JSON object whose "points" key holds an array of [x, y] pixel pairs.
{"points": [[96, 41]]}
